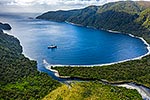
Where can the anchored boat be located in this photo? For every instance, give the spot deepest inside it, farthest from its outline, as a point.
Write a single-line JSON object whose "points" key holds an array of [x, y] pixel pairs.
{"points": [[52, 46]]}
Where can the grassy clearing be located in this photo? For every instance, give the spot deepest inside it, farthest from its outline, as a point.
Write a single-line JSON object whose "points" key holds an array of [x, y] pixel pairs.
{"points": [[92, 91]]}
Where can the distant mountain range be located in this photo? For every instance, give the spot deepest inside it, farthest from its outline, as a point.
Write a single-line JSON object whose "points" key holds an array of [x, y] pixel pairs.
{"points": [[124, 16]]}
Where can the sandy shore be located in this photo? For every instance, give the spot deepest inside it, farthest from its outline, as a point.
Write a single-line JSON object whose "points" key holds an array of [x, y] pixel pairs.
{"points": [[56, 73]]}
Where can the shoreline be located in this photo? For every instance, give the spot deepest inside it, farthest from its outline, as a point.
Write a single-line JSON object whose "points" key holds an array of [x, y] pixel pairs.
{"points": [[10, 33], [106, 64], [142, 90], [56, 73]]}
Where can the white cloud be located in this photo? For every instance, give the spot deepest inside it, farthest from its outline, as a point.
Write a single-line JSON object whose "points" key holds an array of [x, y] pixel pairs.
{"points": [[46, 5], [56, 2]]}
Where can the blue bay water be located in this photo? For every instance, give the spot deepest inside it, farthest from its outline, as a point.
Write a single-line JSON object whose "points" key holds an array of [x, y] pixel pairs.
{"points": [[76, 45]]}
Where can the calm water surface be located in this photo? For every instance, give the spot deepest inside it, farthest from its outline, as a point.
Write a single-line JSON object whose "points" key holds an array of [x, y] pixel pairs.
{"points": [[76, 45]]}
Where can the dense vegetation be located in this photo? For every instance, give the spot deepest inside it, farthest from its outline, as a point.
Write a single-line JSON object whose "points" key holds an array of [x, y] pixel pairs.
{"points": [[131, 71], [19, 78], [144, 18], [92, 91], [123, 16]]}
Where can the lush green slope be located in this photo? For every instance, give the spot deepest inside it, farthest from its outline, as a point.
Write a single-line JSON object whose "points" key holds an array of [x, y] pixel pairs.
{"points": [[135, 71], [119, 16], [144, 18], [19, 78], [127, 7], [92, 91]]}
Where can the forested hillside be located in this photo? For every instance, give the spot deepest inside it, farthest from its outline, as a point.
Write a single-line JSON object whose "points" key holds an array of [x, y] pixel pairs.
{"points": [[123, 16], [144, 18], [19, 78]]}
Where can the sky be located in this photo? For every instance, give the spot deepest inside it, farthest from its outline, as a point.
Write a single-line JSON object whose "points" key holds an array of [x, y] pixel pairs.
{"points": [[46, 5]]}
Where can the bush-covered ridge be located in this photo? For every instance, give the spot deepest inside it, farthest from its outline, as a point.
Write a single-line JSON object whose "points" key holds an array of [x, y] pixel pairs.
{"points": [[119, 16], [123, 6], [19, 78], [92, 91], [144, 18]]}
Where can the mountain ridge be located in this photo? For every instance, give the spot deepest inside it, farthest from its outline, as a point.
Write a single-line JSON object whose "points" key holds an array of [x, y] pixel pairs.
{"points": [[116, 16]]}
